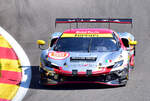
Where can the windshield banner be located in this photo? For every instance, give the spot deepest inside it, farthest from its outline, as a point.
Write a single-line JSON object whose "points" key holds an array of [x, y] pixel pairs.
{"points": [[86, 35]]}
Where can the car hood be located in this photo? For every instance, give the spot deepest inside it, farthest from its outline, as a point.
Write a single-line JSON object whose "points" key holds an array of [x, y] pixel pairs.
{"points": [[83, 61]]}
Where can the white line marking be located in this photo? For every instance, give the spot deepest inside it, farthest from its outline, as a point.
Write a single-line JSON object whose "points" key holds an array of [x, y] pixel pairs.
{"points": [[25, 63]]}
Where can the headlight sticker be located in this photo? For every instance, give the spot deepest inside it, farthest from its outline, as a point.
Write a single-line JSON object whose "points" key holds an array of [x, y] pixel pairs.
{"points": [[118, 64]]}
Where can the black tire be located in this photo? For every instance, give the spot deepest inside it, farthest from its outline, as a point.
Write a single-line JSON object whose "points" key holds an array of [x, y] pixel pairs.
{"points": [[125, 80], [134, 51]]}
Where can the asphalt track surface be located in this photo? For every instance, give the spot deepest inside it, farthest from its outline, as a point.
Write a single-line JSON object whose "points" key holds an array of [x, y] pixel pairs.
{"points": [[30, 20]]}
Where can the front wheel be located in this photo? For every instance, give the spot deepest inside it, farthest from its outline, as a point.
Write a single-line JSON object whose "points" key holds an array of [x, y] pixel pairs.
{"points": [[134, 51], [125, 77]]}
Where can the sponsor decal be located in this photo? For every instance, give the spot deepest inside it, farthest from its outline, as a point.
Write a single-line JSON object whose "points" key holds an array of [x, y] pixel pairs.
{"points": [[85, 65], [58, 55], [87, 32], [86, 35]]}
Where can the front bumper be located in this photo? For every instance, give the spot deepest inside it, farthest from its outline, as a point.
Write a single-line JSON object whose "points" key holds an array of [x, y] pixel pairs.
{"points": [[114, 78]]}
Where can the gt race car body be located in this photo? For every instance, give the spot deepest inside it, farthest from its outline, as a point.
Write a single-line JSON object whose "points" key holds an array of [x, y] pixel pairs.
{"points": [[88, 56]]}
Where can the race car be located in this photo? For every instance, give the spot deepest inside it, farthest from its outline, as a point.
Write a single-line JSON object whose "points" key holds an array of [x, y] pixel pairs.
{"points": [[88, 55]]}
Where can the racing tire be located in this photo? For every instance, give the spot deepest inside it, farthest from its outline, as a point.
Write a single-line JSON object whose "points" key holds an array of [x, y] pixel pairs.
{"points": [[134, 51], [125, 80]]}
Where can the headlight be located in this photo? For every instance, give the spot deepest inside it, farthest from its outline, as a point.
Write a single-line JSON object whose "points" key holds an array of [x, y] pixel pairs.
{"points": [[118, 64], [47, 63], [51, 65]]}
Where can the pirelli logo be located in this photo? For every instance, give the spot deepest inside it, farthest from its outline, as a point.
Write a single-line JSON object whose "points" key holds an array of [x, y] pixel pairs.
{"points": [[86, 35]]}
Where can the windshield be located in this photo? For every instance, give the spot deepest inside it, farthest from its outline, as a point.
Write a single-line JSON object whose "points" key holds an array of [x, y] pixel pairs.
{"points": [[86, 44]]}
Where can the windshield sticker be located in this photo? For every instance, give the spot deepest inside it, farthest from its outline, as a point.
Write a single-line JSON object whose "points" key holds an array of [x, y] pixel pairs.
{"points": [[87, 35], [58, 55]]}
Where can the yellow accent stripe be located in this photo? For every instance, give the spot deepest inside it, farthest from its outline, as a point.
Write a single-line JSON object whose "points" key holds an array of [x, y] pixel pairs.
{"points": [[86, 35], [10, 65], [8, 91], [4, 43]]}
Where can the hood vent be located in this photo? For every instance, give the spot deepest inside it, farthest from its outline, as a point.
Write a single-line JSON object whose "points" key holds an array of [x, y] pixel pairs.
{"points": [[74, 59]]}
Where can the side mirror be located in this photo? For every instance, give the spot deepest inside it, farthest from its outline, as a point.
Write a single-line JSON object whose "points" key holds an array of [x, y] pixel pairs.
{"points": [[133, 42], [41, 42]]}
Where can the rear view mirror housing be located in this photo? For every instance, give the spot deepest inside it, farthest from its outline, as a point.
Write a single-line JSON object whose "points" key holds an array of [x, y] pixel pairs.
{"points": [[41, 42], [133, 42]]}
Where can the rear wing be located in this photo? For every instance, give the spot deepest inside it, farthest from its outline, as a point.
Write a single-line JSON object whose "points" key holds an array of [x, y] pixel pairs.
{"points": [[94, 20]]}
